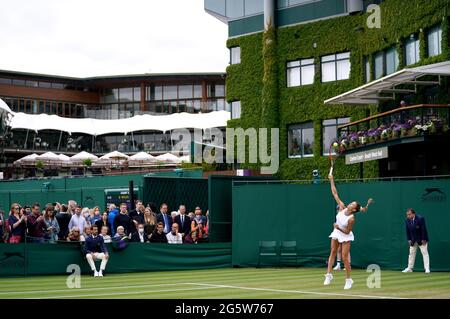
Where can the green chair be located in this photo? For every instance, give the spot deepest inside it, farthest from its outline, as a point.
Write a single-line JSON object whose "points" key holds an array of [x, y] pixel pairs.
{"points": [[267, 249], [288, 251]]}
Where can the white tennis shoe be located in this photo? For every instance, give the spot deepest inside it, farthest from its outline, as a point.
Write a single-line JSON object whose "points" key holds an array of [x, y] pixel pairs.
{"points": [[348, 283], [328, 279], [337, 267]]}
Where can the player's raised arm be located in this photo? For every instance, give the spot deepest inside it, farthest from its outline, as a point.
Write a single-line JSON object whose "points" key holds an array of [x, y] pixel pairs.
{"points": [[365, 208], [335, 193]]}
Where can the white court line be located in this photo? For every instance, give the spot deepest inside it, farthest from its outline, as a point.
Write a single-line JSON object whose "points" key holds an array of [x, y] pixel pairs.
{"points": [[296, 291], [82, 289], [126, 293]]}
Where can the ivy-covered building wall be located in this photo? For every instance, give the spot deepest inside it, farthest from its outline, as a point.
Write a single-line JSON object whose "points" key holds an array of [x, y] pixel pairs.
{"points": [[245, 80]]}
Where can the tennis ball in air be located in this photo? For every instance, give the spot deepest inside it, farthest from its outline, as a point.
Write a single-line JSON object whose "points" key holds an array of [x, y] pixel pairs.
{"points": [[335, 144]]}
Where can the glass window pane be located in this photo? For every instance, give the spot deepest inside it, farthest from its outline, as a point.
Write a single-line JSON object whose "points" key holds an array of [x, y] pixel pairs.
{"points": [[18, 82], [391, 60], [412, 51], [345, 55], [32, 83], [293, 77], [308, 140], [329, 134], [379, 67], [307, 74], [235, 8], [220, 90], [295, 142], [307, 61], [329, 122], [57, 86], [5, 81], [235, 55], [126, 94], [434, 39], [236, 109], [328, 72], [110, 96], [328, 58], [215, 6], [282, 3], [137, 94], [43, 84], [170, 92], [293, 63], [253, 7], [343, 120], [185, 92], [197, 91], [367, 69], [343, 70]]}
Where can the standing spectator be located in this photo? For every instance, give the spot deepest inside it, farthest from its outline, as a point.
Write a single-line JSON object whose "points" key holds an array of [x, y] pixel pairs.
{"points": [[104, 234], [139, 236], [198, 223], [183, 221], [57, 208], [74, 234], [2, 227], [162, 217], [113, 211], [71, 207], [174, 237], [97, 215], [122, 219], [36, 224], [85, 212], [87, 232], [191, 216], [158, 235], [103, 222], [27, 210], [17, 223], [149, 221], [96, 250], [137, 215], [77, 219], [52, 224], [417, 235], [63, 219]]}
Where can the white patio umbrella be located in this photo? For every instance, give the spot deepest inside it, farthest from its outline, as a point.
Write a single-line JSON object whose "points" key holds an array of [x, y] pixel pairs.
{"points": [[168, 158], [80, 157], [29, 159], [114, 156], [48, 157], [185, 158]]}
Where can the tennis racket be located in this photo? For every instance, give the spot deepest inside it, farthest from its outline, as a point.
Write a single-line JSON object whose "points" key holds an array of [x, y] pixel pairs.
{"points": [[333, 155]]}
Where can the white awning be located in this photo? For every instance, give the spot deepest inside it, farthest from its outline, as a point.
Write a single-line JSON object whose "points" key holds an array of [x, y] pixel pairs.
{"points": [[83, 156], [141, 156], [114, 156], [168, 158], [370, 92], [146, 122]]}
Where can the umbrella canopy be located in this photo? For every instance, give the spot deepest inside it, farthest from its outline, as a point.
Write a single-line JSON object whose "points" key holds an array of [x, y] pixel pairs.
{"points": [[83, 156], [141, 156], [185, 158], [27, 159], [49, 156], [168, 158], [114, 156], [63, 158]]}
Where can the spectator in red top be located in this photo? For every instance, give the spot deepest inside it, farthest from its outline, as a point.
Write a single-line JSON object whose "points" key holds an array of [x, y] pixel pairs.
{"points": [[36, 224]]}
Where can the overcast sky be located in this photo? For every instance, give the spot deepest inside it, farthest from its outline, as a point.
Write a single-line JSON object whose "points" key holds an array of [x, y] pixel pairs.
{"points": [[107, 37]]}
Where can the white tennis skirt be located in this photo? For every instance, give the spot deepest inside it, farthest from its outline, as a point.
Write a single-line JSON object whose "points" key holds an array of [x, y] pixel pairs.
{"points": [[341, 237]]}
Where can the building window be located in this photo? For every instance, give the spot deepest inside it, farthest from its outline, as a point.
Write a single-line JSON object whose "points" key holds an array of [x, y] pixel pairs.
{"points": [[329, 132], [235, 55], [367, 69], [336, 67], [412, 50], [300, 72], [379, 65], [235, 109], [301, 140], [434, 42], [392, 60]]}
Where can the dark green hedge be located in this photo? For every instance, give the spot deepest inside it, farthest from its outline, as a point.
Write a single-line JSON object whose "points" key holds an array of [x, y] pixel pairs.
{"points": [[399, 19]]}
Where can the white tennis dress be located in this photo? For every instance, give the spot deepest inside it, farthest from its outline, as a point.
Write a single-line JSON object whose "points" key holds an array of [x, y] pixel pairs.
{"points": [[342, 221]]}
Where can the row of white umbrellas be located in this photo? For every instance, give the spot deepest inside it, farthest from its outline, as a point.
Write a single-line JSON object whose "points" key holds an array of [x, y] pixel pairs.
{"points": [[140, 158]]}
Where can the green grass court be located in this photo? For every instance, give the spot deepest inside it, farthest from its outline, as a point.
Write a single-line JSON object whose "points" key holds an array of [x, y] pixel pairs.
{"points": [[231, 283]]}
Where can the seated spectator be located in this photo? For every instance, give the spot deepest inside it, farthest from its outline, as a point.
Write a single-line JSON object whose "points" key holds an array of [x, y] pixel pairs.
{"points": [[191, 216], [63, 219], [139, 236], [149, 221], [74, 234], [174, 237], [104, 234], [36, 224], [158, 235], [198, 223], [17, 223], [87, 232], [103, 222], [120, 234], [191, 238], [52, 224], [96, 250]]}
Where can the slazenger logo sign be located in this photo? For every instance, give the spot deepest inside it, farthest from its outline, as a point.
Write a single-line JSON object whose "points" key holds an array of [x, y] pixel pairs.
{"points": [[434, 195]]}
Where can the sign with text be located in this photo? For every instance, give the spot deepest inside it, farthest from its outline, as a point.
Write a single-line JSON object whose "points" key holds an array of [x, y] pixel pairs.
{"points": [[366, 156]]}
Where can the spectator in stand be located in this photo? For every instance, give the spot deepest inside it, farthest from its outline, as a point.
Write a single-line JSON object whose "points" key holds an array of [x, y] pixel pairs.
{"points": [[71, 207], [113, 211], [158, 235], [74, 234], [123, 219], [174, 237], [96, 250], [90, 216], [27, 210], [137, 215], [103, 222], [183, 221], [63, 219], [191, 238], [51, 223], [85, 212], [139, 236], [97, 215], [120, 234], [198, 223], [162, 217], [87, 232], [17, 223], [149, 221], [36, 224], [104, 234], [173, 215], [191, 216], [57, 208], [2, 226], [77, 219], [206, 228]]}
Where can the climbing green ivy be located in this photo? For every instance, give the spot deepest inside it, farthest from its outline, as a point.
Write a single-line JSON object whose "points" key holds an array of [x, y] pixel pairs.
{"points": [[400, 19]]}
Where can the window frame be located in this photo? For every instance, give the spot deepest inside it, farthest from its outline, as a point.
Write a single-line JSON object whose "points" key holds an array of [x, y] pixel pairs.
{"points": [[337, 121], [231, 54], [240, 109], [437, 29], [335, 60], [300, 126], [300, 66]]}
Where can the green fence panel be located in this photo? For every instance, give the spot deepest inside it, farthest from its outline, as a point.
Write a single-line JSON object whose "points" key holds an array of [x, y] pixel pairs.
{"points": [[45, 259], [306, 213]]}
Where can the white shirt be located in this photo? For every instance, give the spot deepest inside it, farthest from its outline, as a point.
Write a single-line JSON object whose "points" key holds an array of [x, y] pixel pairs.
{"points": [[77, 221], [172, 239]]}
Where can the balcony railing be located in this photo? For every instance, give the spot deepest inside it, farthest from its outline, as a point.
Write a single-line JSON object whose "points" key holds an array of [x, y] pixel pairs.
{"points": [[404, 122]]}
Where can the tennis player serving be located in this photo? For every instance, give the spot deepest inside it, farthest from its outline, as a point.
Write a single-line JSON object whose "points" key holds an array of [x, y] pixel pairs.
{"points": [[342, 234]]}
